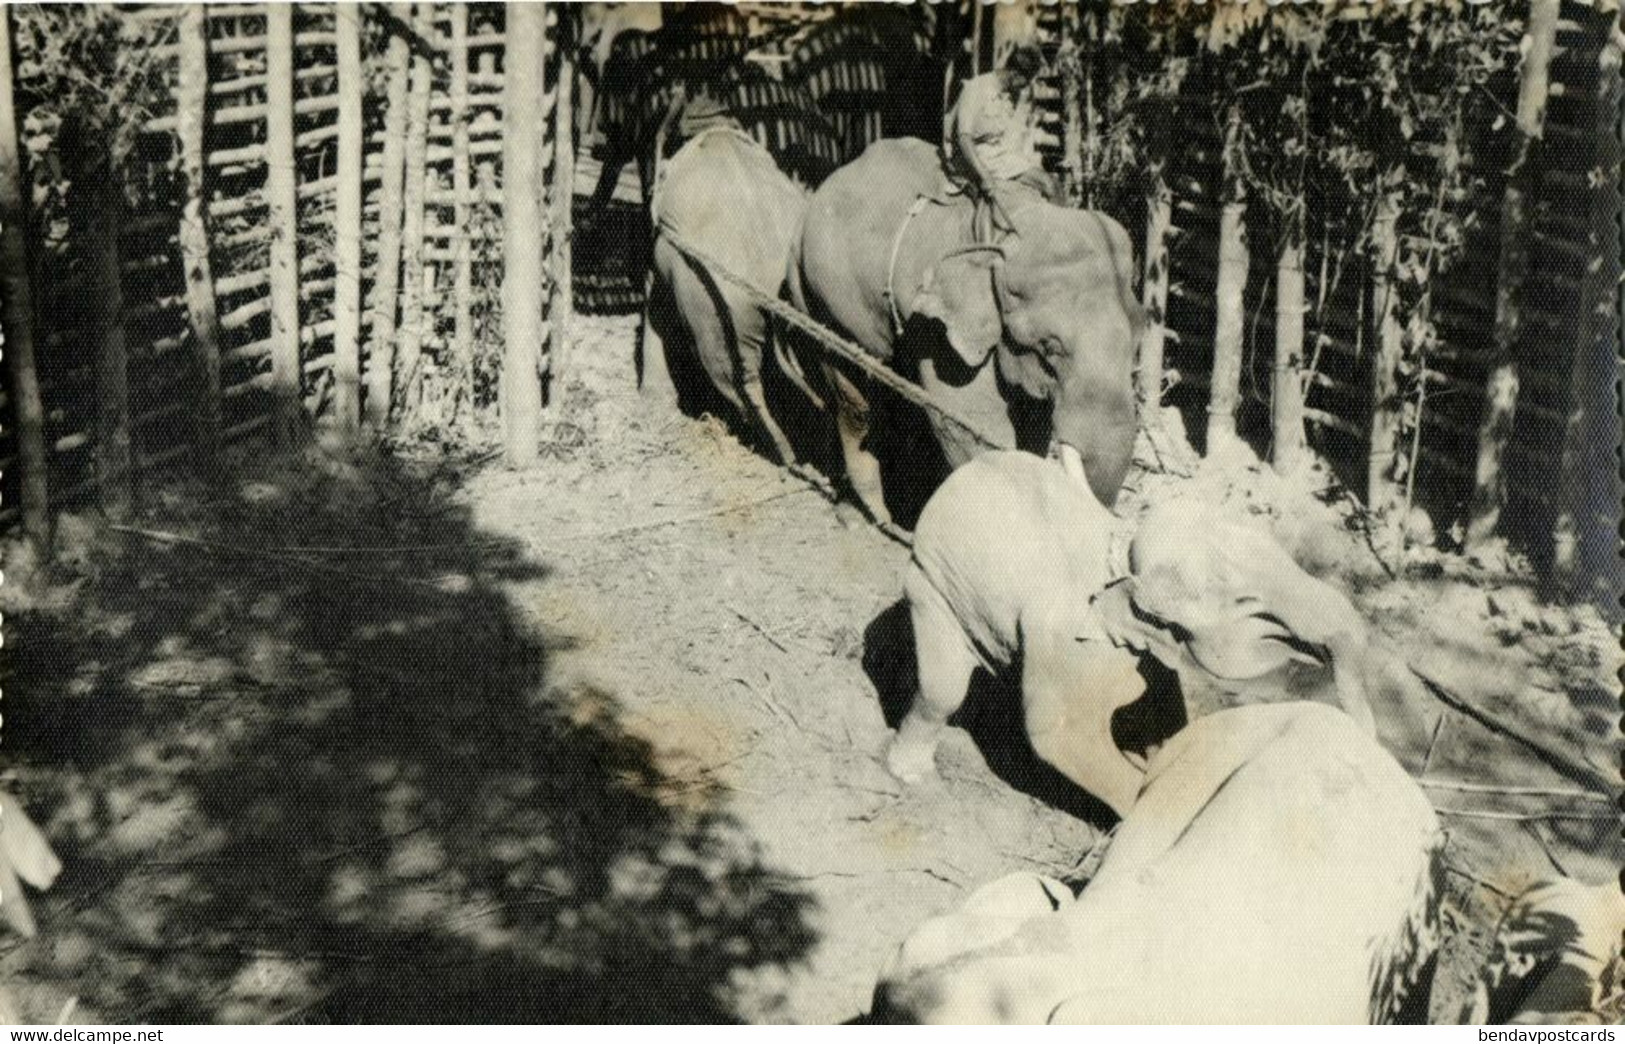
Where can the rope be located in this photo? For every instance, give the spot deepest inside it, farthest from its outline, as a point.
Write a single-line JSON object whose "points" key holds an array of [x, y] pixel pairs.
{"points": [[832, 342]]}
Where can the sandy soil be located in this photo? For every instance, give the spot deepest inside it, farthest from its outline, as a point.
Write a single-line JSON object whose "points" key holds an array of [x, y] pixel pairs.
{"points": [[414, 738]]}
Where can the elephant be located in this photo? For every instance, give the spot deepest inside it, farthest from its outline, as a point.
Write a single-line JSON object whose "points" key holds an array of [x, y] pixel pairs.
{"points": [[1279, 867], [1007, 555], [886, 250], [1016, 566], [723, 193]]}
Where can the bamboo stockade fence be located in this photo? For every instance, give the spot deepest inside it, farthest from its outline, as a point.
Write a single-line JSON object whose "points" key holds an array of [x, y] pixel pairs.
{"points": [[317, 222]]}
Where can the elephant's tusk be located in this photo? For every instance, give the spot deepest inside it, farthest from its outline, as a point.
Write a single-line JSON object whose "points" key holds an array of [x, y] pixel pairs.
{"points": [[1072, 463]]}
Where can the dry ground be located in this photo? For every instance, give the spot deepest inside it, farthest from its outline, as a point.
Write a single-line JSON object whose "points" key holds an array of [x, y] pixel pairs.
{"points": [[403, 738]]}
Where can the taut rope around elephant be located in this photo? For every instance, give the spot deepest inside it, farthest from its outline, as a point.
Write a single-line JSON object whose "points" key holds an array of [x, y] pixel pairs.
{"points": [[831, 341]]}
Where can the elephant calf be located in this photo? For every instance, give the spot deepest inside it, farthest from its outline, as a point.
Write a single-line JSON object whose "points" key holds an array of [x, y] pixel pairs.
{"points": [[1007, 555], [1012, 562], [724, 193], [1279, 867]]}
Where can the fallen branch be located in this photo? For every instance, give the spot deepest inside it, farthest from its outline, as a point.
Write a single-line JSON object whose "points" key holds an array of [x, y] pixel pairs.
{"points": [[1489, 788], [759, 629], [1580, 773], [1524, 817]]}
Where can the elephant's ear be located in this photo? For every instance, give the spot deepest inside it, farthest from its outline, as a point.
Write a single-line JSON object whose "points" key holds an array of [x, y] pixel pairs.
{"points": [[959, 293]]}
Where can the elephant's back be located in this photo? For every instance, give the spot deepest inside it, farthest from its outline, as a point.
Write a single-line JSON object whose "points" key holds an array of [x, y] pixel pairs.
{"points": [[1009, 536], [1329, 822], [725, 194]]}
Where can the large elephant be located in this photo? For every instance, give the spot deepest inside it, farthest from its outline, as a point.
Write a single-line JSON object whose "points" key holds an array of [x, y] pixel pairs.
{"points": [[1052, 305], [1280, 867], [723, 193]]}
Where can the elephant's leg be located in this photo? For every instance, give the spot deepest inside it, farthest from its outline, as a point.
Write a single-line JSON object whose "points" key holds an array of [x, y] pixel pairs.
{"points": [[1069, 691], [752, 326], [945, 665], [654, 377], [852, 416]]}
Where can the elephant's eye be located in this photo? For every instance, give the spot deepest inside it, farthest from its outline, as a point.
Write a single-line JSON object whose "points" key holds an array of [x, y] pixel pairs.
{"points": [[1050, 347]]}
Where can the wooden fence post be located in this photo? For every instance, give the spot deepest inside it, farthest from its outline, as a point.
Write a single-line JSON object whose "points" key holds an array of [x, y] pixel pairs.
{"points": [[386, 279], [563, 188], [1159, 207], [1387, 408], [1501, 388], [17, 311], [1286, 386], [347, 221], [462, 188], [106, 312], [410, 353], [524, 275], [1589, 487], [1224, 391], [281, 192], [191, 111]]}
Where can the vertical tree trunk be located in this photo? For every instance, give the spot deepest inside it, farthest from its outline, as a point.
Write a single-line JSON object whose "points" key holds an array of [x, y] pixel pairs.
{"points": [[386, 281], [191, 111], [17, 312], [347, 222], [462, 187], [1382, 487], [1501, 389], [1224, 391], [1159, 208], [1590, 483], [416, 184], [1286, 386], [106, 313], [281, 191], [563, 189], [524, 275]]}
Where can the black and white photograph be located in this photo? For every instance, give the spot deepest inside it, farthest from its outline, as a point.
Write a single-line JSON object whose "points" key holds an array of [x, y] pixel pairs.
{"points": [[956, 511]]}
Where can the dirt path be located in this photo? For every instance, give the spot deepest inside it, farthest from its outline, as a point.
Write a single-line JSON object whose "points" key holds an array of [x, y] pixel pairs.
{"points": [[441, 742]]}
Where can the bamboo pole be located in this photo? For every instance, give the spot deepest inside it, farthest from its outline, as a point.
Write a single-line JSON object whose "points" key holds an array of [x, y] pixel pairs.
{"points": [[1158, 223], [524, 275], [17, 313], [407, 391], [191, 110], [1501, 387], [1225, 385], [1383, 491], [106, 312], [352, 89], [281, 192], [1286, 386], [386, 281], [1589, 432], [463, 267], [562, 186]]}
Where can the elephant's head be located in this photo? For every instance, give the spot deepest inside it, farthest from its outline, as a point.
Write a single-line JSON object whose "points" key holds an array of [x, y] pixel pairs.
{"points": [[1054, 303]]}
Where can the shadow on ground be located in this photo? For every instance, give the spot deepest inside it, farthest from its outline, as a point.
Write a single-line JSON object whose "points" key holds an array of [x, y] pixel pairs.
{"points": [[326, 777]]}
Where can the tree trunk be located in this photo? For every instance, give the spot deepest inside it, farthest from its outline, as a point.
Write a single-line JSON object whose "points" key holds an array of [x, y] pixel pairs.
{"points": [[523, 279], [386, 280], [106, 313], [1286, 387], [1159, 221], [352, 89], [1224, 391], [462, 184], [1585, 538], [17, 313], [1383, 492], [282, 195], [563, 189], [1501, 389], [408, 391], [191, 111]]}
